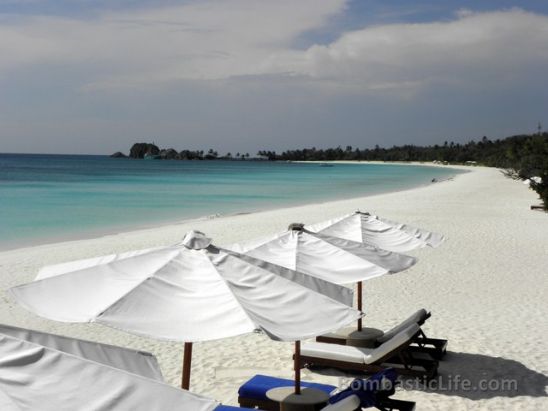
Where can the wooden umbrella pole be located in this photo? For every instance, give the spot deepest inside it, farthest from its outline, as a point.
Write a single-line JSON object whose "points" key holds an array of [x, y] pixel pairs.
{"points": [[297, 366], [187, 361], [360, 304]]}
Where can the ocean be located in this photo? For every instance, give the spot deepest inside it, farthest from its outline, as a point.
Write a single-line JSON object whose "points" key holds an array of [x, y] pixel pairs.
{"points": [[46, 198]]}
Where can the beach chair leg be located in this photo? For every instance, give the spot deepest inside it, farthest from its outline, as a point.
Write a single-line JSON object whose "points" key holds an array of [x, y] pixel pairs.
{"points": [[389, 404], [406, 364], [433, 352], [436, 347]]}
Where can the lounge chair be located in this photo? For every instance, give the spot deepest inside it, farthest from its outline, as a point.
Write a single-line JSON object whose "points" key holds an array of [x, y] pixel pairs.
{"points": [[253, 394], [352, 403], [394, 352], [435, 347], [372, 392]]}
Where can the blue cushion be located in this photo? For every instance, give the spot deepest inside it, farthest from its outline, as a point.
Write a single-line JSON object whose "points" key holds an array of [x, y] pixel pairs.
{"points": [[258, 386], [368, 390], [230, 408]]}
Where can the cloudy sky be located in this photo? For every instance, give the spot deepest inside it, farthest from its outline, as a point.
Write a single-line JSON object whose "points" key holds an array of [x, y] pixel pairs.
{"points": [[83, 76]]}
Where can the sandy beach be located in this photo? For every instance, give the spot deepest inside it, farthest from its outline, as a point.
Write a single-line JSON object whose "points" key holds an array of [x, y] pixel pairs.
{"points": [[486, 288]]}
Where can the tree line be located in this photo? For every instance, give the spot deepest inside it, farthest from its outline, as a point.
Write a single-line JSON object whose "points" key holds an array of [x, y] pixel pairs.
{"points": [[527, 155], [151, 150]]}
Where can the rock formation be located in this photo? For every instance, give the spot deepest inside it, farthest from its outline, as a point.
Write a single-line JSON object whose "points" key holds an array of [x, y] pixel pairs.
{"points": [[118, 154], [139, 150]]}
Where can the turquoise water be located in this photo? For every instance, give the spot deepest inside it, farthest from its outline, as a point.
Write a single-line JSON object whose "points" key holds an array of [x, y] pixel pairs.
{"points": [[45, 198]]}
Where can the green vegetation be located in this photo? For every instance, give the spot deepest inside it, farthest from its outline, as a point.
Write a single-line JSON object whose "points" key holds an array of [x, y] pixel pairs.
{"points": [[523, 156], [526, 155], [542, 188]]}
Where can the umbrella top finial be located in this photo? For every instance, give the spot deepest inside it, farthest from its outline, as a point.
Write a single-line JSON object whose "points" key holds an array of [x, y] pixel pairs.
{"points": [[362, 212], [296, 227], [196, 240]]}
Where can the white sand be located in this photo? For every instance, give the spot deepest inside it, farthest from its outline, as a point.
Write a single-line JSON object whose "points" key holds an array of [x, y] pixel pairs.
{"points": [[487, 288]]}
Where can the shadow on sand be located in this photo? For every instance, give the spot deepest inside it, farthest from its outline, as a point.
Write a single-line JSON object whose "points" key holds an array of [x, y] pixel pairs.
{"points": [[475, 377]]}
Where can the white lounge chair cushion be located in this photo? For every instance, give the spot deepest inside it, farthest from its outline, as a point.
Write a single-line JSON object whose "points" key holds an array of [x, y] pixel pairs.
{"points": [[402, 337], [416, 318], [350, 403], [358, 355], [335, 352]]}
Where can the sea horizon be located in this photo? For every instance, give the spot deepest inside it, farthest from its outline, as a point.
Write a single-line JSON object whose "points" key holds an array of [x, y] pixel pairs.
{"points": [[60, 197]]}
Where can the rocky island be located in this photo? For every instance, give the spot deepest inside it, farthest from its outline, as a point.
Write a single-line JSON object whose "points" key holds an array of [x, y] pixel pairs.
{"points": [[150, 151]]}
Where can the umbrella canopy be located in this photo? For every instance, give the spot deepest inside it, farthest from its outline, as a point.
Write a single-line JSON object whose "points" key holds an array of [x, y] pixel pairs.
{"points": [[136, 362], [189, 292], [383, 233], [330, 258], [431, 238], [324, 256], [37, 377]]}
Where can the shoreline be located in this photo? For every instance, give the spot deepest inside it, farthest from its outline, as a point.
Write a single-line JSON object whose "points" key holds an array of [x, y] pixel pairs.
{"points": [[485, 286], [90, 234]]}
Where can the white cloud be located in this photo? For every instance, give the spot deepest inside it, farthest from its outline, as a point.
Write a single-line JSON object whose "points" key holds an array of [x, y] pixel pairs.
{"points": [[212, 40], [473, 49], [203, 40]]}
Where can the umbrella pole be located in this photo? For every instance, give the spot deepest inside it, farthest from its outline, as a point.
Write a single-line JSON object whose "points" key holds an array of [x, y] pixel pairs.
{"points": [[360, 304], [187, 360], [297, 366]]}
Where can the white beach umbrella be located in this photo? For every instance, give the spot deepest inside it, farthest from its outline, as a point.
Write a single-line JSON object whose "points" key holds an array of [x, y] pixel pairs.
{"points": [[431, 238], [35, 376], [377, 231], [330, 258], [136, 362], [189, 292]]}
